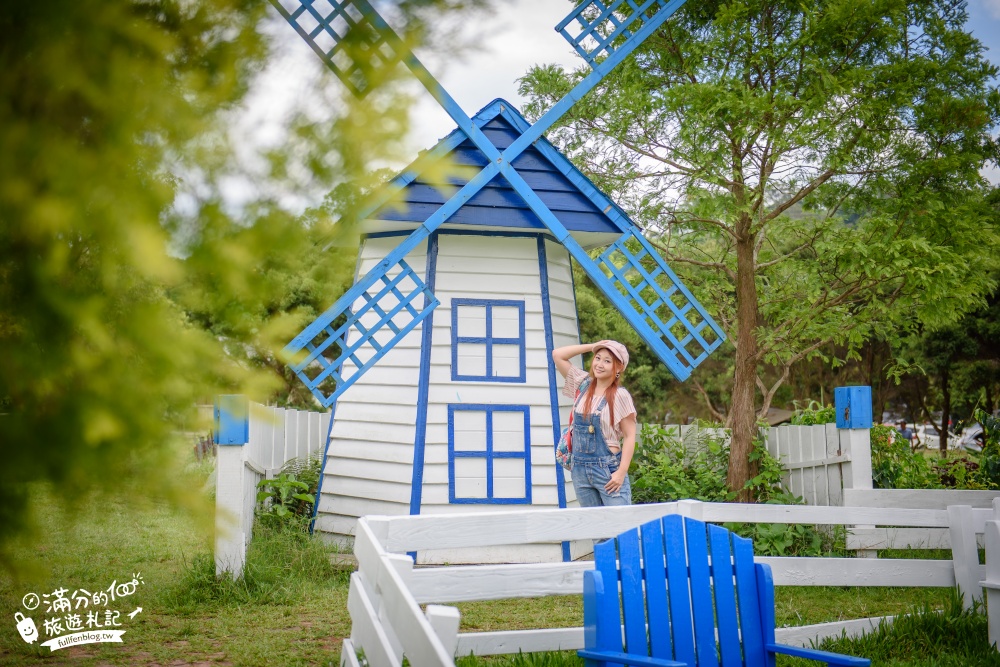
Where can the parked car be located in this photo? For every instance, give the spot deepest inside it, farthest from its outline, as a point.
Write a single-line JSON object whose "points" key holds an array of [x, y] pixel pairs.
{"points": [[927, 435], [972, 437]]}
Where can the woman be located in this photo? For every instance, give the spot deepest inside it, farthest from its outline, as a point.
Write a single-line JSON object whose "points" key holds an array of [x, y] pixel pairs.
{"points": [[603, 423]]}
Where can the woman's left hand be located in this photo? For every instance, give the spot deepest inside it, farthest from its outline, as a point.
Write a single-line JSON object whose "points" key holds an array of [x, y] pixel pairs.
{"points": [[617, 479]]}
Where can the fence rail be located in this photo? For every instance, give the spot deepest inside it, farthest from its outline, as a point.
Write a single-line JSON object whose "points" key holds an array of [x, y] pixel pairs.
{"points": [[388, 624], [273, 437]]}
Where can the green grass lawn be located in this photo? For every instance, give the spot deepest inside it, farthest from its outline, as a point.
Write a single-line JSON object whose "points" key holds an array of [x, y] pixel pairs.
{"points": [[290, 607]]}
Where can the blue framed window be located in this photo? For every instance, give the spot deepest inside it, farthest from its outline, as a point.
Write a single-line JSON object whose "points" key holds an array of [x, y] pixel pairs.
{"points": [[487, 340], [489, 454]]}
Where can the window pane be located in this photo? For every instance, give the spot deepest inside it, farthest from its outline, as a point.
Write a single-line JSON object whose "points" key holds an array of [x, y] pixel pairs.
{"points": [[471, 360], [506, 361], [471, 321], [470, 431], [470, 478], [506, 322], [508, 478], [508, 431]]}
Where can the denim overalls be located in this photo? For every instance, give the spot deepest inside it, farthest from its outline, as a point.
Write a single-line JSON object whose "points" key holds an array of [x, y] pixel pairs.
{"points": [[593, 462]]}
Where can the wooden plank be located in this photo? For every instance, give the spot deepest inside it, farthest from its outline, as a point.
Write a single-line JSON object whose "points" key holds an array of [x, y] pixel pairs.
{"points": [[514, 641], [421, 644], [677, 584], [633, 601], [724, 512], [497, 582], [655, 565], [749, 604], [808, 635], [796, 443], [817, 463], [901, 538], [701, 593], [445, 621], [367, 633], [835, 477], [347, 506], [860, 572], [965, 554], [374, 470], [725, 596], [230, 542], [368, 489], [566, 639], [349, 654], [519, 527], [932, 499], [468, 529], [342, 450]]}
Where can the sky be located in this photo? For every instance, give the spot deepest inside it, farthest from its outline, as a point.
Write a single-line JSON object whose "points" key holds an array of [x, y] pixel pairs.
{"points": [[519, 34]]}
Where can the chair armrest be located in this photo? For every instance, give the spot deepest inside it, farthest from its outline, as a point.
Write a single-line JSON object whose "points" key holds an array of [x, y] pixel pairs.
{"points": [[628, 659], [821, 656]]}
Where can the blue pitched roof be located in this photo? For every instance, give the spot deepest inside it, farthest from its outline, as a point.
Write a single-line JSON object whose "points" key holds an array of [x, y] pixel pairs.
{"points": [[570, 195]]}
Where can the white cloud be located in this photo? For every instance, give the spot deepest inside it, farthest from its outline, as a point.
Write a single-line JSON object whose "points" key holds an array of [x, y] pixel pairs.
{"points": [[992, 6]]}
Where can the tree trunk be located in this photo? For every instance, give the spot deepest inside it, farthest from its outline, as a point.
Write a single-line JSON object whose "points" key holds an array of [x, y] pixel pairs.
{"points": [[945, 413], [743, 417]]}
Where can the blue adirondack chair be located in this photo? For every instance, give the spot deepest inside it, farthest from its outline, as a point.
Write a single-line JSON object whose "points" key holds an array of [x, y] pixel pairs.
{"points": [[692, 614]]}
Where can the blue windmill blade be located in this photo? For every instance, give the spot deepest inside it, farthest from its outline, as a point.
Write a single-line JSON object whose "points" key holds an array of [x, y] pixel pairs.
{"points": [[642, 287], [334, 351], [596, 28], [348, 35]]}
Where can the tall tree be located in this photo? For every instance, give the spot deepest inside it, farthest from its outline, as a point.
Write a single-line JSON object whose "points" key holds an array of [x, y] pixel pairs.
{"points": [[114, 118], [811, 168]]}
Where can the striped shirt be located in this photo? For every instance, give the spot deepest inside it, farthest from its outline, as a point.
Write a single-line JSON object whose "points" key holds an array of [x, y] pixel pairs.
{"points": [[623, 406]]}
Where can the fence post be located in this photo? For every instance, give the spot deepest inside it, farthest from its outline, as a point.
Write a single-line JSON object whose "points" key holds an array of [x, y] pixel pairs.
{"points": [[232, 432], [854, 423]]}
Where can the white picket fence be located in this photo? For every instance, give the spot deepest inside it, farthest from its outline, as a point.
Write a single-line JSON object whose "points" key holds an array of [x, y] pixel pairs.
{"points": [[276, 436], [386, 592]]}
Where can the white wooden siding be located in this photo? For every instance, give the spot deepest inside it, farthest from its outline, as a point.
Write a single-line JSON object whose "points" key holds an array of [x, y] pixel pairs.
{"points": [[565, 331], [471, 267], [369, 468], [369, 464]]}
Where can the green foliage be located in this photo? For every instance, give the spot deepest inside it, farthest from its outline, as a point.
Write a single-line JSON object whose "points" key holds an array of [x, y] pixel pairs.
{"points": [[277, 498], [895, 465], [989, 459], [814, 413], [132, 285], [287, 500], [669, 468]]}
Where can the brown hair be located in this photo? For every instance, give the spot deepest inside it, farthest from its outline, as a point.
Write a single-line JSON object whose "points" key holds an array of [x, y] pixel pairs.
{"points": [[609, 393]]}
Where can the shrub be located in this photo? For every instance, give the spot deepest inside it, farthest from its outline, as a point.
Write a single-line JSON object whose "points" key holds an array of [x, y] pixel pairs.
{"points": [[989, 459], [896, 466], [814, 413], [670, 468], [288, 498]]}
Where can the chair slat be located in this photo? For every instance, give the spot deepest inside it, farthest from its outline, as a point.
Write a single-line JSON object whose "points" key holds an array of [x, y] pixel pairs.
{"points": [[725, 596], [677, 583], [701, 593], [746, 589], [632, 596], [656, 590], [605, 561], [765, 593]]}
